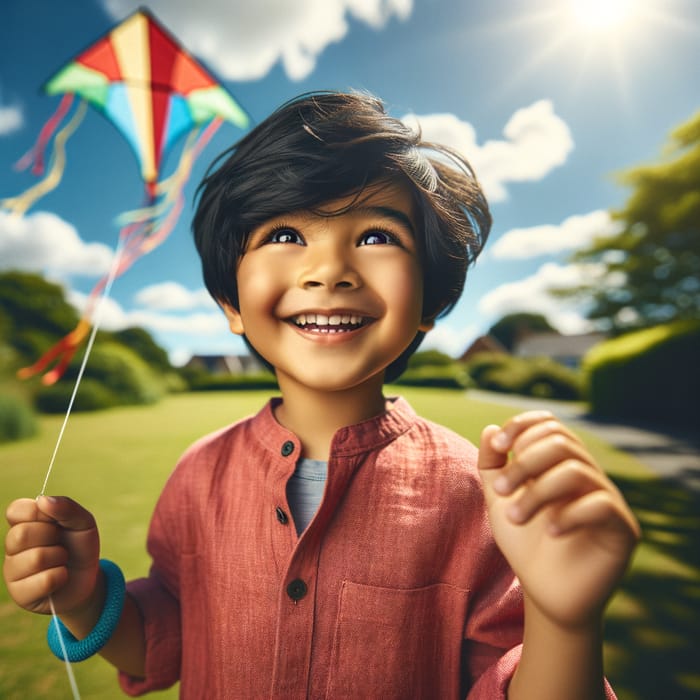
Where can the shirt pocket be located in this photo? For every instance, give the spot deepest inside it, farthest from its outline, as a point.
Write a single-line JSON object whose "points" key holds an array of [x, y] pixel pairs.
{"points": [[398, 643]]}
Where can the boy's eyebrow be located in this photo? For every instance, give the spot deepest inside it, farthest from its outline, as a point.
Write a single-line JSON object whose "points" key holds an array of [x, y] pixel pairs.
{"points": [[387, 213]]}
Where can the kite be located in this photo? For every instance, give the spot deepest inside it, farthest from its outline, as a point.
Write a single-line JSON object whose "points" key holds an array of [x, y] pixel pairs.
{"points": [[154, 92]]}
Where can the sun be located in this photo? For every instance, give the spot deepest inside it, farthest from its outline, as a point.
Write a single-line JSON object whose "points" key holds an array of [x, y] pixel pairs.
{"points": [[601, 15]]}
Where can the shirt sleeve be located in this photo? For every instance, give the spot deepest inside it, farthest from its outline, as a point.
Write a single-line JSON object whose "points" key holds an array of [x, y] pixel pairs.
{"points": [[161, 615], [495, 630], [157, 598]]}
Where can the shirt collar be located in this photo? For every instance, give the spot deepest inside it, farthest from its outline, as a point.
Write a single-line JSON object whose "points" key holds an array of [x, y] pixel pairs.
{"points": [[350, 440]]}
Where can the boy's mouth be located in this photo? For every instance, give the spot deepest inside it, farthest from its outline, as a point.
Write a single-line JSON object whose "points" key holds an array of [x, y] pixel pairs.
{"points": [[333, 323]]}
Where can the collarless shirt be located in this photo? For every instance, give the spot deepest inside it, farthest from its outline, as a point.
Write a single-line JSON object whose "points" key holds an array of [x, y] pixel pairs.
{"points": [[395, 589]]}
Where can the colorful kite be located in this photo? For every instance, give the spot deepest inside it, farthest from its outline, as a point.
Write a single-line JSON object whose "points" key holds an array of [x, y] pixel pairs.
{"points": [[154, 92]]}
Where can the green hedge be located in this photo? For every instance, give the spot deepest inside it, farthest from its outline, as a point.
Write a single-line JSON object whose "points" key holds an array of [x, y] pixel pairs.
{"points": [[114, 376], [443, 376], [653, 374], [91, 396], [541, 377], [202, 381], [17, 421]]}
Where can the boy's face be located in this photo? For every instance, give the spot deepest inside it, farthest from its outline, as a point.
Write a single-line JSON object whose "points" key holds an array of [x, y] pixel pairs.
{"points": [[330, 301]]}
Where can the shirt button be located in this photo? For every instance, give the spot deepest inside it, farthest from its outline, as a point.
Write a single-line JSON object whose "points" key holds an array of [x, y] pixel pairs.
{"points": [[281, 515], [287, 448], [296, 590]]}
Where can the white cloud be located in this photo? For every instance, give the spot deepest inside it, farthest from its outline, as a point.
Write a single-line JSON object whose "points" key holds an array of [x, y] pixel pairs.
{"points": [[451, 341], [244, 40], [43, 242], [532, 295], [112, 317], [172, 296], [11, 119], [536, 141], [574, 232]]}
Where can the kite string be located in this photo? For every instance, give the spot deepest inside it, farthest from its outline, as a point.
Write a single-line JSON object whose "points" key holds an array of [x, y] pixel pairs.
{"points": [[69, 668], [95, 327], [88, 348]]}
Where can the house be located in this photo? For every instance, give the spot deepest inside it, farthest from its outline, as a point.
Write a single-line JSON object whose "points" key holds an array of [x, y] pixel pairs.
{"points": [[484, 343], [225, 364], [565, 349]]}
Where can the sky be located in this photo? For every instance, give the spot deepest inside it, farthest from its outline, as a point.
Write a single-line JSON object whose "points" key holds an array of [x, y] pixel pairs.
{"points": [[548, 99]]}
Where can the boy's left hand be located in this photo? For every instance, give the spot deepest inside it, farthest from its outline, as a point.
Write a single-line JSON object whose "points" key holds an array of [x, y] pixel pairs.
{"points": [[563, 526]]}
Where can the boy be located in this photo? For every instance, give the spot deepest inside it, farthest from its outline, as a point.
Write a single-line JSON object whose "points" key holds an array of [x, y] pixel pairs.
{"points": [[337, 545]]}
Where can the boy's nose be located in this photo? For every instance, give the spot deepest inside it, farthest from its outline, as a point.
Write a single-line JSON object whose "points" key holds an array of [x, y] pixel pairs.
{"points": [[331, 271]]}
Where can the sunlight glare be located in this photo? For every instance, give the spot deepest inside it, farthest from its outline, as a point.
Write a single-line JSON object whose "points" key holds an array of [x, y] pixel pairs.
{"points": [[601, 15]]}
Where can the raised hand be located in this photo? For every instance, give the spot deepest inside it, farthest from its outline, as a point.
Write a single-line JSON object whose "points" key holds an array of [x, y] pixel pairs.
{"points": [[563, 526], [51, 549]]}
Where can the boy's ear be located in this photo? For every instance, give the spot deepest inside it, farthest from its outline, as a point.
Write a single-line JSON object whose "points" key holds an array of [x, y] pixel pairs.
{"points": [[233, 315], [428, 322]]}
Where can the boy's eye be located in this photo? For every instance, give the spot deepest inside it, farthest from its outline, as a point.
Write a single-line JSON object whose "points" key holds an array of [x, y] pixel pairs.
{"points": [[285, 235], [378, 238]]}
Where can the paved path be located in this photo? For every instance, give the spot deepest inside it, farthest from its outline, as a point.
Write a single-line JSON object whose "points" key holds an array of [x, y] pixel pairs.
{"points": [[670, 456]]}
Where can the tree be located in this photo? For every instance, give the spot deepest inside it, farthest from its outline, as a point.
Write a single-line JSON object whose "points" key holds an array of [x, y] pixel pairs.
{"points": [[513, 327], [34, 314], [651, 267], [142, 343], [29, 302]]}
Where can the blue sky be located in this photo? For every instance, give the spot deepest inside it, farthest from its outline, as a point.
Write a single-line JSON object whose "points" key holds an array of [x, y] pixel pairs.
{"points": [[546, 99]]}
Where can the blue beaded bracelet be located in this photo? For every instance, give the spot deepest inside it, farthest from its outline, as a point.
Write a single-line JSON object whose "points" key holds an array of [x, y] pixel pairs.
{"points": [[79, 650]]}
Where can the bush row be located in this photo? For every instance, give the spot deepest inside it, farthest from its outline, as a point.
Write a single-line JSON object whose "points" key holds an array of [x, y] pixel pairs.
{"points": [[541, 377], [114, 376], [649, 375]]}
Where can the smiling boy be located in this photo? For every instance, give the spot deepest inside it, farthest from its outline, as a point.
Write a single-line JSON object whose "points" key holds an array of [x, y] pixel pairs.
{"points": [[336, 544]]}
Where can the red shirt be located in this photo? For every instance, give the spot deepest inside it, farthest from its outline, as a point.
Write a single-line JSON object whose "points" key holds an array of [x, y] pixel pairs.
{"points": [[395, 590]]}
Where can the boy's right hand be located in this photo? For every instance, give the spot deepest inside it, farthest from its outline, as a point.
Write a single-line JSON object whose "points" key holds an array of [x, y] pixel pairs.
{"points": [[51, 549]]}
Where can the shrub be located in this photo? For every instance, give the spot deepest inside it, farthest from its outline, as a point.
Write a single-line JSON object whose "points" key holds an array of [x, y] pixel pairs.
{"points": [[201, 381], [432, 358], [649, 375], [91, 396], [541, 377], [17, 421], [120, 370], [114, 376], [443, 376]]}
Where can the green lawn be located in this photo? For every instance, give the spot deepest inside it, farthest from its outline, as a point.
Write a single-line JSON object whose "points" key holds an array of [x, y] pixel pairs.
{"points": [[115, 463]]}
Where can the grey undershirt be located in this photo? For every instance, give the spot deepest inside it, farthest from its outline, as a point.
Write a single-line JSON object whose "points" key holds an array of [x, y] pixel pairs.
{"points": [[305, 490]]}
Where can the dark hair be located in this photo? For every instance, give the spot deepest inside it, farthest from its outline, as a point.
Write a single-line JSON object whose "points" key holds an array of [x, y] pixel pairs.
{"points": [[324, 146]]}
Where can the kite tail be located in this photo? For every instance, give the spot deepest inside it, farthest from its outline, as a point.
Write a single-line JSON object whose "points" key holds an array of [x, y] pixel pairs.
{"points": [[35, 155], [24, 201], [62, 351], [142, 230]]}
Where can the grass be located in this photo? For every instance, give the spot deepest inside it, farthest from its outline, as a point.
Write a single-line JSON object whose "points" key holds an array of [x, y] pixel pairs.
{"points": [[115, 463]]}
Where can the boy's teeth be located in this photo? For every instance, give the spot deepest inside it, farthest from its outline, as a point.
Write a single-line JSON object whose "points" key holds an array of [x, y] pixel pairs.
{"points": [[324, 320]]}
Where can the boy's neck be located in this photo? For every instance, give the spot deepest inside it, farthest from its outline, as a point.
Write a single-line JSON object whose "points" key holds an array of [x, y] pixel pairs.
{"points": [[315, 416]]}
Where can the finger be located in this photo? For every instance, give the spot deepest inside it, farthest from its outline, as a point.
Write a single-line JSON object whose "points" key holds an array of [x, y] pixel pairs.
{"points": [[33, 561], [555, 488], [541, 430], [597, 509], [504, 439], [66, 512], [31, 593], [539, 458], [489, 456], [25, 510], [33, 534]]}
